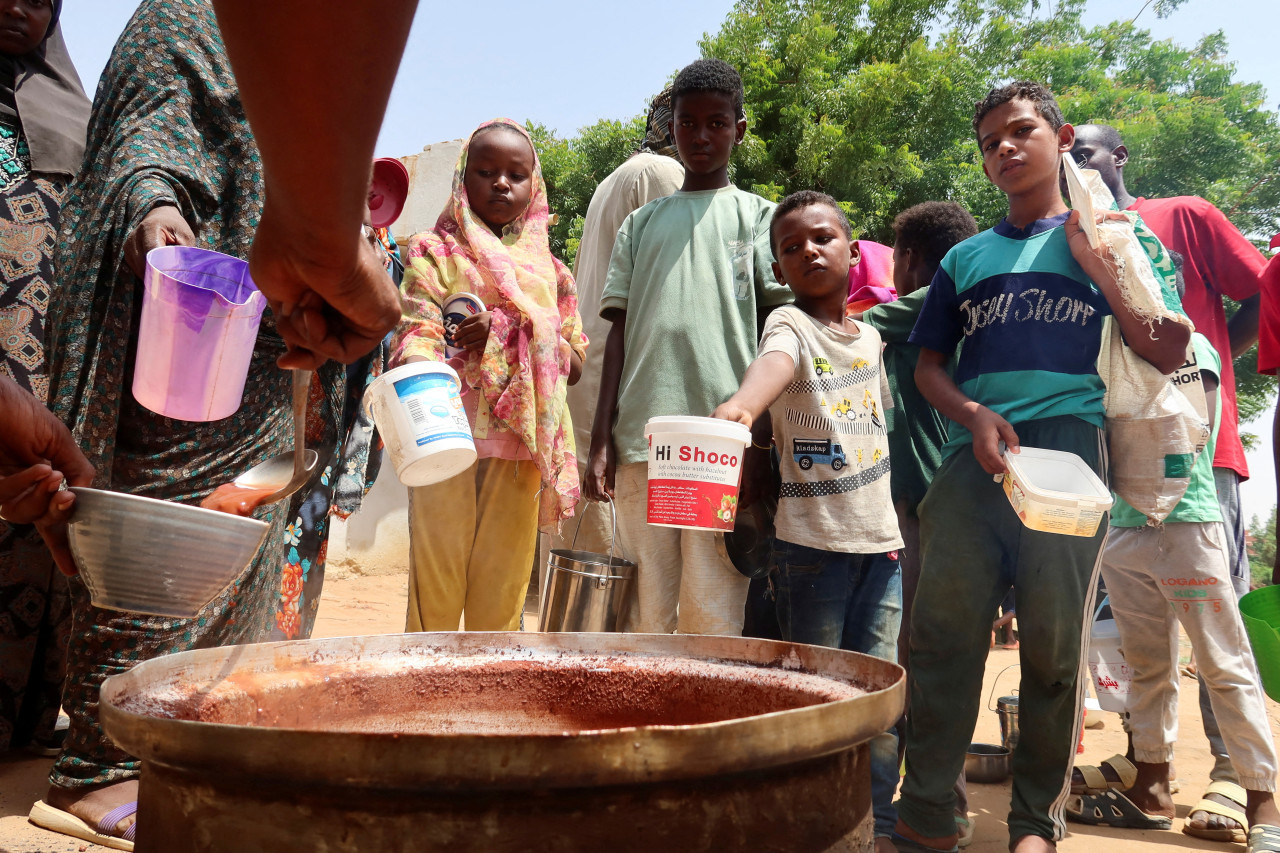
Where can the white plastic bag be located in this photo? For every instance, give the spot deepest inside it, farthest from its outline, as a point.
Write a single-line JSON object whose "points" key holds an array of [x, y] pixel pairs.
{"points": [[1155, 427]]}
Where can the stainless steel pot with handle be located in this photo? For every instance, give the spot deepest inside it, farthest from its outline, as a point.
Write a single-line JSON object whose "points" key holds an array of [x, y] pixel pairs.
{"points": [[585, 591]]}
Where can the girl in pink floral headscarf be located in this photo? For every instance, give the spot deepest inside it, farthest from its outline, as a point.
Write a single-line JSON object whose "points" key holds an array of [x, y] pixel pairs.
{"points": [[474, 536]]}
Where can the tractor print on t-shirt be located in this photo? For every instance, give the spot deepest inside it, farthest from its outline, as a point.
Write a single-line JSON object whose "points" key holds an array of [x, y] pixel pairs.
{"points": [[869, 403], [829, 423]]}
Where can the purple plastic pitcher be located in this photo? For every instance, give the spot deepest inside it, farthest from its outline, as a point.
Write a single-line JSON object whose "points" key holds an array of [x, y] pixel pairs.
{"points": [[200, 317]]}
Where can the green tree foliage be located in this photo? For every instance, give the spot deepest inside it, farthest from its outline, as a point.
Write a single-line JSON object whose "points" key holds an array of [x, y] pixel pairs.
{"points": [[1262, 548], [871, 101], [573, 167]]}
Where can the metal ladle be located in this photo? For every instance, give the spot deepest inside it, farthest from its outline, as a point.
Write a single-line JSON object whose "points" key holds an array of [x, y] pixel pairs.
{"points": [[275, 472]]}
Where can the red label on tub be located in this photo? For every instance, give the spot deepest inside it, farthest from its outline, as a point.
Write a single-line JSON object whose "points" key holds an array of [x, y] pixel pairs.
{"points": [[687, 503]]}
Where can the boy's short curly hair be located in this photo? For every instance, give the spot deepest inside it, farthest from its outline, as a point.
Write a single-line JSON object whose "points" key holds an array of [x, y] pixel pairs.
{"points": [[802, 199], [1028, 90], [931, 228], [710, 75]]}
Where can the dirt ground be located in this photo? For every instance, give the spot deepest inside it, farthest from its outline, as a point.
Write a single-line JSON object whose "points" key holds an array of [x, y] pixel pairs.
{"points": [[375, 604]]}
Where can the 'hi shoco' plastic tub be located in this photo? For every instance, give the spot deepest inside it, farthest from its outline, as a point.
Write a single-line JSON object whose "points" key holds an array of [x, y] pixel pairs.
{"points": [[1112, 676], [695, 468]]}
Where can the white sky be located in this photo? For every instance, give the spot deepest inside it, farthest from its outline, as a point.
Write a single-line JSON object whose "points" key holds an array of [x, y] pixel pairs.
{"points": [[567, 63]]}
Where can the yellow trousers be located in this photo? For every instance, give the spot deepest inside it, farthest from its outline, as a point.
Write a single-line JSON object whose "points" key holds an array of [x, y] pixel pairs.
{"points": [[473, 538]]}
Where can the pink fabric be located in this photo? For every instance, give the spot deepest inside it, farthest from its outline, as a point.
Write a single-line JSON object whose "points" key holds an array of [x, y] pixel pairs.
{"points": [[1269, 319], [497, 443], [871, 278]]}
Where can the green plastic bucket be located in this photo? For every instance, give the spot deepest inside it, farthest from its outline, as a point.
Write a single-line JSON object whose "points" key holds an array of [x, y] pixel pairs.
{"points": [[1261, 612]]}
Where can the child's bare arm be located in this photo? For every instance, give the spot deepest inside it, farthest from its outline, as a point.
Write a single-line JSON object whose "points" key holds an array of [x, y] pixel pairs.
{"points": [[766, 378], [1164, 345], [988, 428], [1209, 382], [575, 363], [603, 459]]}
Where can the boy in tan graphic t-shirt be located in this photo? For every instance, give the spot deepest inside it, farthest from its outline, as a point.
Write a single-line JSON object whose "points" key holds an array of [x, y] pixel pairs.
{"points": [[819, 376]]}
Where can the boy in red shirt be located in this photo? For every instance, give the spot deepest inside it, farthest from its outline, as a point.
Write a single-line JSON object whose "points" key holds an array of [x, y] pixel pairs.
{"points": [[1217, 261]]}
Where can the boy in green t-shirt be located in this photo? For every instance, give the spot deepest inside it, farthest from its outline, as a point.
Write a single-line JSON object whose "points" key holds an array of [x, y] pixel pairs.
{"points": [[688, 284], [923, 234], [1157, 577]]}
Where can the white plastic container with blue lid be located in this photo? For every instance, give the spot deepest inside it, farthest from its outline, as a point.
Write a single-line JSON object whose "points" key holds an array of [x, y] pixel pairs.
{"points": [[418, 409]]}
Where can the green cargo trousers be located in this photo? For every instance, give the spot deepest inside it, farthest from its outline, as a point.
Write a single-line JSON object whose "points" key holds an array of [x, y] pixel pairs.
{"points": [[973, 548]]}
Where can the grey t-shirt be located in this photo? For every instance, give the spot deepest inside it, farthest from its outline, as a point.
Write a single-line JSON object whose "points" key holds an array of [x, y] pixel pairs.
{"points": [[830, 426]]}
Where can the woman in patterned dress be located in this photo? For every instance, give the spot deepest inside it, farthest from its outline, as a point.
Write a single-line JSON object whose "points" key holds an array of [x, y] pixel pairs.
{"points": [[43, 115], [170, 160], [350, 458]]}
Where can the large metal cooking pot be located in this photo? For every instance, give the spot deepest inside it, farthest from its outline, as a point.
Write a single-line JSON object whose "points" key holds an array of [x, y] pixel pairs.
{"points": [[720, 743]]}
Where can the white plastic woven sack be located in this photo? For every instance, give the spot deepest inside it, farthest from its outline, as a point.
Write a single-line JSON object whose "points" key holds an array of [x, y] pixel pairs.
{"points": [[1155, 427], [1136, 259]]}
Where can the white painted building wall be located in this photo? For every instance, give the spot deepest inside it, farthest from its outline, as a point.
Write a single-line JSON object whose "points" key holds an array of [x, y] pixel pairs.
{"points": [[430, 182]]}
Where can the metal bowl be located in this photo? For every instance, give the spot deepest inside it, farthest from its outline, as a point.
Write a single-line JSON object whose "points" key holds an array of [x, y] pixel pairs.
{"points": [[987, 763], [156, 557]]}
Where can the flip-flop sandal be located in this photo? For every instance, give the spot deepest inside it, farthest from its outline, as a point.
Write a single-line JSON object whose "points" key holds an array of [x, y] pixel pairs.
{"points": [[964, 831], [1264, 838], [906, 845], [1095, 782], [47, 817], [1112, 808], [1235, 794]]}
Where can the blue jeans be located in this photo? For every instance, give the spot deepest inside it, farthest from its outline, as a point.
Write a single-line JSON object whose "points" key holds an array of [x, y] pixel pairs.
{"points": [[851, 602]]}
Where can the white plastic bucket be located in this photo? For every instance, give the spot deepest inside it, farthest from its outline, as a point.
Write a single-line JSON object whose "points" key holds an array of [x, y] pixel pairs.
{"points": [[1055, 491], [418, 410], [695, 468], [1112, 677]]}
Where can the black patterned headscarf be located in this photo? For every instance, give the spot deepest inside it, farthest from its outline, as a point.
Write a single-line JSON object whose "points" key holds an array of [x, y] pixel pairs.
{"points": [[657, 137], [43, 89]]}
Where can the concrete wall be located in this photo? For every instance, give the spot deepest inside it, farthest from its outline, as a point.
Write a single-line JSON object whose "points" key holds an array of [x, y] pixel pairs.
{"points": [[376, 539], [430, 182]]}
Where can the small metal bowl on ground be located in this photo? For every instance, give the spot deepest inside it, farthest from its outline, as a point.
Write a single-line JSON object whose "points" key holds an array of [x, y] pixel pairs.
{"points": [[987, 763], [157, 557]]}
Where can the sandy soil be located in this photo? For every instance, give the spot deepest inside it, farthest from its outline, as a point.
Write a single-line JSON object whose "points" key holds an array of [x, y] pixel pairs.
{"points": [[375, 604]]}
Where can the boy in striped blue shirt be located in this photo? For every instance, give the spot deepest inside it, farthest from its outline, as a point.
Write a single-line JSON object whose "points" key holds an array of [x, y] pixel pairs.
{"points": [[1027, 300]]}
